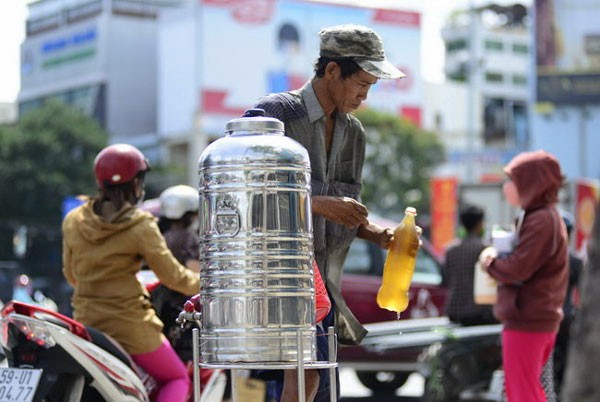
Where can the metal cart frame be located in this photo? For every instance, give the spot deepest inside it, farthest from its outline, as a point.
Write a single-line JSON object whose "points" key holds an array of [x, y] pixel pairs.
{"points": [[300, 365]]}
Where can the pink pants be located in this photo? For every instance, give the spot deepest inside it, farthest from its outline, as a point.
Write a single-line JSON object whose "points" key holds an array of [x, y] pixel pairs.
{"points": [[168, 370], [524, 355]]}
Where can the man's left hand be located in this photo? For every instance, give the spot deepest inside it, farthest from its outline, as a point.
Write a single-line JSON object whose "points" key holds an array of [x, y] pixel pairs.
{"points": [[381, 236]]}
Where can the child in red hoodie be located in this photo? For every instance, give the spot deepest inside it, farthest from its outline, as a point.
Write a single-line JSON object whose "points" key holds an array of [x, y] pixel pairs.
{"points": [[532, 279]]}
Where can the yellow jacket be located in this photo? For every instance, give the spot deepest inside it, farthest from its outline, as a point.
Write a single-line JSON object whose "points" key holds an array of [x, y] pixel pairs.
{"points": [[100, 260]]}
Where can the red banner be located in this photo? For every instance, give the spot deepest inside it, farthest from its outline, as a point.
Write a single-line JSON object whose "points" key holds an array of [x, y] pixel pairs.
{"points": [[443, 211], [587, 201]]}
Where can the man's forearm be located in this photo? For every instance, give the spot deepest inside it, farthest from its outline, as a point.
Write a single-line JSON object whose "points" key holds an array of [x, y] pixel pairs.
{"points": [[370, 232]]}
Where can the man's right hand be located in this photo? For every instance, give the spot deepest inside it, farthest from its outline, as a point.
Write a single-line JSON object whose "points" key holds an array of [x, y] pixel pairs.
{"points": [[341, 210]]}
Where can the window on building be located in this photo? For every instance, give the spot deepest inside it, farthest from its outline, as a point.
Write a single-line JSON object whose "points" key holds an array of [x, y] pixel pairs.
{"points": [[519, 80], [520, 48], [505, 122], [519, 124], [460, 76], [30, 105], [89, 99], [40, 25], [83, 11], [494, 45], [493, 77], [438, 121], [457, 44]]}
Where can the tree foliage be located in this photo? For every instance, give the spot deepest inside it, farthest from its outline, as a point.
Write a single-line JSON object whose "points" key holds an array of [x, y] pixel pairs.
{"points": [[400, 158], [47, 156]]}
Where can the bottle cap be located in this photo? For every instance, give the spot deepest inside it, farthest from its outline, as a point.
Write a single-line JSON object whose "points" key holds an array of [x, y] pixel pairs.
{"points": [[411, 210]]}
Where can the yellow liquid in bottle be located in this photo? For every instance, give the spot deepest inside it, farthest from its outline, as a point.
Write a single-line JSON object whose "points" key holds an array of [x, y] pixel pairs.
{"points": [[399, 265]]}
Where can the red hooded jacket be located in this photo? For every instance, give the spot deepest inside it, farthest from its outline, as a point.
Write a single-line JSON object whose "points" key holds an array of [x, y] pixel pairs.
{"points": [[533, 278]]}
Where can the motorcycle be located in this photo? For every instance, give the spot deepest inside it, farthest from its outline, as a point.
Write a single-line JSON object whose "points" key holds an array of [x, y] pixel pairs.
{"points": [[51, 357], [465, 364]]}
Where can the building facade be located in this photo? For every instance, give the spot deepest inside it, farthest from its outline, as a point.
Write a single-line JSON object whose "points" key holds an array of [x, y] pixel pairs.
{"points": [[216, 58], [166, 76], [481, 111], [566, 89], [97, 55]]}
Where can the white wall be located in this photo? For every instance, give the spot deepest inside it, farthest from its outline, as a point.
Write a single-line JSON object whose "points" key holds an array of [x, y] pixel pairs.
{"points": [[177, 64], [449, 101], [131, 70]]}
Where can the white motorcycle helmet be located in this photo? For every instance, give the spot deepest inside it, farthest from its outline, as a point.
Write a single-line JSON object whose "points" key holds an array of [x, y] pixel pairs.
{"points": [[175, 201]]}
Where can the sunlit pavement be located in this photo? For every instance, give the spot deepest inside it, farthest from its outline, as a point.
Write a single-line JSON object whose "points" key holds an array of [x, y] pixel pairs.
{"points": [[353, 391]]}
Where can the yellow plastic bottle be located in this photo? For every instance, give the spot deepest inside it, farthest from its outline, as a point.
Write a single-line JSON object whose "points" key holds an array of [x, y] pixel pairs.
{"points": [[399, 265]]}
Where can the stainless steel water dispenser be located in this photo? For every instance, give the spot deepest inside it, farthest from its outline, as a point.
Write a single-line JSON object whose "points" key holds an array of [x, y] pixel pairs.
{"points": [[256, 288]]}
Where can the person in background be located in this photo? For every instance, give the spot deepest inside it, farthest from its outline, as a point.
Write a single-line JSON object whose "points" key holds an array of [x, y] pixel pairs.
{"points": [[105, 242], [570, 309], [178, 213], [179, 217], [318, 115], [532, 279], [459, 271]]}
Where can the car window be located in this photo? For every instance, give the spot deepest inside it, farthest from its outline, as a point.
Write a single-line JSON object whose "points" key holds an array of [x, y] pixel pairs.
{"points": [[359, 259], [426, 269], [364, 258]]}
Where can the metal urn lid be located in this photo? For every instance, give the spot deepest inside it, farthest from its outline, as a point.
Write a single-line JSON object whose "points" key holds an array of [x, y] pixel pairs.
{"points": [[253, 121], [257, 141]]}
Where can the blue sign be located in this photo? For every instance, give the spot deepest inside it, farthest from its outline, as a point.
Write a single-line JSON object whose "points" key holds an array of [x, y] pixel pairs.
{"points": [[74, 39], [71, 202]]}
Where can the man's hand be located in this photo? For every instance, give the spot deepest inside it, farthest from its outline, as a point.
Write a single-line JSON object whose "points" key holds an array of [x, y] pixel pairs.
{"points": [[341, 210], [380, 235], [376, 234]]}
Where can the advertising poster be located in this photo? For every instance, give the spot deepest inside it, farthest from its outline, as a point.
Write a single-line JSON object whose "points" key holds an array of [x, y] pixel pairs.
{"points": [[71, 51], [267, 46], [568, 51]]}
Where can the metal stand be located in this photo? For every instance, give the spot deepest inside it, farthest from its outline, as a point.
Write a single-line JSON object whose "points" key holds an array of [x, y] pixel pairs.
{"points": [[196, 360], [300, 365]]}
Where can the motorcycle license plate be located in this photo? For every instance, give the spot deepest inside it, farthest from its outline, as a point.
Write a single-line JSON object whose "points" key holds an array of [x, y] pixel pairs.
{"points": [[18, 385]]}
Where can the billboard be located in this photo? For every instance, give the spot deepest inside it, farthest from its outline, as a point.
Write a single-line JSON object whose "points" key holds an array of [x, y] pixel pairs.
{"points": [[72, 51], [254, 47], [568, 51]]}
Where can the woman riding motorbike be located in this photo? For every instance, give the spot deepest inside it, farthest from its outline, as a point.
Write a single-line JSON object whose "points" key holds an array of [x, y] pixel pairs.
{"points": [[105, 242]]}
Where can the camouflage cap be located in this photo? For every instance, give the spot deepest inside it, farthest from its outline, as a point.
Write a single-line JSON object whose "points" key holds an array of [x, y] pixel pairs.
{"points": [[361, 44]]}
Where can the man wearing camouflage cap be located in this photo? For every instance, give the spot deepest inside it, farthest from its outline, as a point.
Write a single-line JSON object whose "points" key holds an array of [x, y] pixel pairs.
{"points": [[351, 60]]}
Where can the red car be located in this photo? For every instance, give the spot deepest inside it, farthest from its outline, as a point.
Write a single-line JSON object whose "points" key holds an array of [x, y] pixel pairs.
{"points": [[360, 282]]}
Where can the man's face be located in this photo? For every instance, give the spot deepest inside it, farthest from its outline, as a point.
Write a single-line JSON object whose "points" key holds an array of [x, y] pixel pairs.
{"points": [[349, 93]]}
